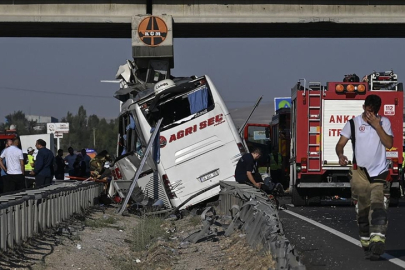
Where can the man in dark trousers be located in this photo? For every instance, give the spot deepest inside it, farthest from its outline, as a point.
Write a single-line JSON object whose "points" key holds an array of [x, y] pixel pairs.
{"points": [[247, 167], [15, 167], [373, 135], [43, 170], [60, 166]]}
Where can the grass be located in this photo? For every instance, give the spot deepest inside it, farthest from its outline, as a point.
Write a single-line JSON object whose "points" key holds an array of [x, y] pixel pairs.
{"points": [[100, 223], [195, 221], [126, 263], [146, 232]]}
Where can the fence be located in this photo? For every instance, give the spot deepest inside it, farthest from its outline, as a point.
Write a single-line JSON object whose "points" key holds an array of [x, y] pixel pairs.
{"points": [[30, 212]]}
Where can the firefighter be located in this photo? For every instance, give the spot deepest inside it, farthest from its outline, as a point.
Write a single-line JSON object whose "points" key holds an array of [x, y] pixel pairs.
{"points": [[97, 169], [372, 134], [276, 162]]}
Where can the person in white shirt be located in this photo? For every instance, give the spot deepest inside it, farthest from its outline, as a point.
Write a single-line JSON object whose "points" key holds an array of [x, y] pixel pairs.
{"points": [[373, 135], [14, 180], [8, 143]]}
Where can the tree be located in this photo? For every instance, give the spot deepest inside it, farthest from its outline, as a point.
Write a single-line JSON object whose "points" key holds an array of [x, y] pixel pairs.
{"points": [[84, 131], [22, 124], [90, 132]]}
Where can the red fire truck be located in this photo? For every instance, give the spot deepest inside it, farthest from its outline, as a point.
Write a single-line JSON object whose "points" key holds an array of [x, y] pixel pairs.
{"points": [[258, 136], [280, 136], [318, 114], [4, 136]]}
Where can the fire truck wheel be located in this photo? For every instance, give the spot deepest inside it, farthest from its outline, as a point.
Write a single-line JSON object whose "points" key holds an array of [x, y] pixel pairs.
{"points": [[314, 200], [297, 199]]}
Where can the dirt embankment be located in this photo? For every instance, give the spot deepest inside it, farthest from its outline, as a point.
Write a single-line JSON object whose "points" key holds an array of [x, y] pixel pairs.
{"points": [[107, 241]]}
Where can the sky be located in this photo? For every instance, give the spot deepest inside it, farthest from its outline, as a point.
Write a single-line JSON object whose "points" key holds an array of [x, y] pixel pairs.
{"points": [[51, 76]]}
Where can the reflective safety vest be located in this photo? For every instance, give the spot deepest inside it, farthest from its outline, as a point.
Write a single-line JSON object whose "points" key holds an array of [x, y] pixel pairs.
{"points": [[28, 166], [275, 165]]}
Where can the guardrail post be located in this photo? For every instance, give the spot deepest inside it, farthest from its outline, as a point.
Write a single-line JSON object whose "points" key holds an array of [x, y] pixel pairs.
{"points": [[3, 225]]}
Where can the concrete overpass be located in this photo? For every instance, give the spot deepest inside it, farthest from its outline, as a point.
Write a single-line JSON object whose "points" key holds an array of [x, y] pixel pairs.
{"points": [[205, 18]]}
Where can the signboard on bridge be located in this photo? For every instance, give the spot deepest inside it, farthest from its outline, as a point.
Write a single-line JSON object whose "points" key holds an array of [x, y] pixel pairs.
{"points": [[152, 30], [57, 128]]}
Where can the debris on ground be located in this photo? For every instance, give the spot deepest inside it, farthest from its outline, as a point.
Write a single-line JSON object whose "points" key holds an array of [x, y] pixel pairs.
{"points": [[104, 240]]}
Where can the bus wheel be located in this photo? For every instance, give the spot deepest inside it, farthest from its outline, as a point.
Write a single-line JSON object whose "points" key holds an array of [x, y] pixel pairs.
{"points": [[296, 198]]}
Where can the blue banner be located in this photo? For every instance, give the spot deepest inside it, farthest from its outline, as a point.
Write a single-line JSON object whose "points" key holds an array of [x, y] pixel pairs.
{"points": [[282, 102]]}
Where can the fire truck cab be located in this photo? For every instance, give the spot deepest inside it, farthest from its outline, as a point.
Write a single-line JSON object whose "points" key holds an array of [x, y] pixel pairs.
{"points": [[318, 114], [6, 135], [258, 136], [280, 127]]}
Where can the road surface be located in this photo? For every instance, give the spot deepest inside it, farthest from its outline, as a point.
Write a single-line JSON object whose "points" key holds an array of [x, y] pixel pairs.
{"points": [[326, 237]]}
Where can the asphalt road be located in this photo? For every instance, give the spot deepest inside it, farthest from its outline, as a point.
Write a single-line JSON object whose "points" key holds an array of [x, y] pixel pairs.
{"points": [[326, 237]]}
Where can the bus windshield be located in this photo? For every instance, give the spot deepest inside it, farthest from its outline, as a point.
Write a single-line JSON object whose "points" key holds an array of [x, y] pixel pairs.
{"points": [[129, 140], [179, 104]]}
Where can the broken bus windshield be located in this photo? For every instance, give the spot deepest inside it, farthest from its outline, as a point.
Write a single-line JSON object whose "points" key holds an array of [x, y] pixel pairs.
{"points": [[178, 108]]}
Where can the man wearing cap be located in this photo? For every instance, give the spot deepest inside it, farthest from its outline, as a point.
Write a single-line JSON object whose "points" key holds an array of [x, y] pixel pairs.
{"points": [[29, 166]]}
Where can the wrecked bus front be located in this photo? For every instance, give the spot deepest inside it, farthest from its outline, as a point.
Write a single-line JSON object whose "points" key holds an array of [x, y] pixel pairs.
{"points": [[199, 144]]}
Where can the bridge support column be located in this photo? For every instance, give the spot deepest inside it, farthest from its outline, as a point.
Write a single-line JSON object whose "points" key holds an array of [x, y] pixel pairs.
{"points": [[152, 46]]}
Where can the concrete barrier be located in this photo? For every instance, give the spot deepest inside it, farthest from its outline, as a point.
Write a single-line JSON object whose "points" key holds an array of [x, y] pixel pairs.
{"points": [[253, 212]]}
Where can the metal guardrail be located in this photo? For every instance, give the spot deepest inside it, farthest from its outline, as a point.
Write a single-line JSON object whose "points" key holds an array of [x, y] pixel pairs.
{"points": [[30, 212], [255, 214]]}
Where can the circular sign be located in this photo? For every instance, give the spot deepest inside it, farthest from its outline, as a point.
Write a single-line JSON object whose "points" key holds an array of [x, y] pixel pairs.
{"points": [[284, 104], [162, 141], [152, 31]]}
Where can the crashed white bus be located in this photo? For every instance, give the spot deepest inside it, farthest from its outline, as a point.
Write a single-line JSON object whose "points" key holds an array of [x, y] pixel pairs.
{"points": [[199, 144]]}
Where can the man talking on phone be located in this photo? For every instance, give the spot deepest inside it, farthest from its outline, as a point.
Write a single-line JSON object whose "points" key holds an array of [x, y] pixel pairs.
{"points": [[372, 134]]}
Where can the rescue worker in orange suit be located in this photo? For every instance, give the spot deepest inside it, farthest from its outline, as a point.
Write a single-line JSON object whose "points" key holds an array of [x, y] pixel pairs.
{"points": [[368, 179]]}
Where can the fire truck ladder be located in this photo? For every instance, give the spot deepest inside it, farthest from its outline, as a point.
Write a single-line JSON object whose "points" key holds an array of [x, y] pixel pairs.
{"points": [[314, 125]]}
